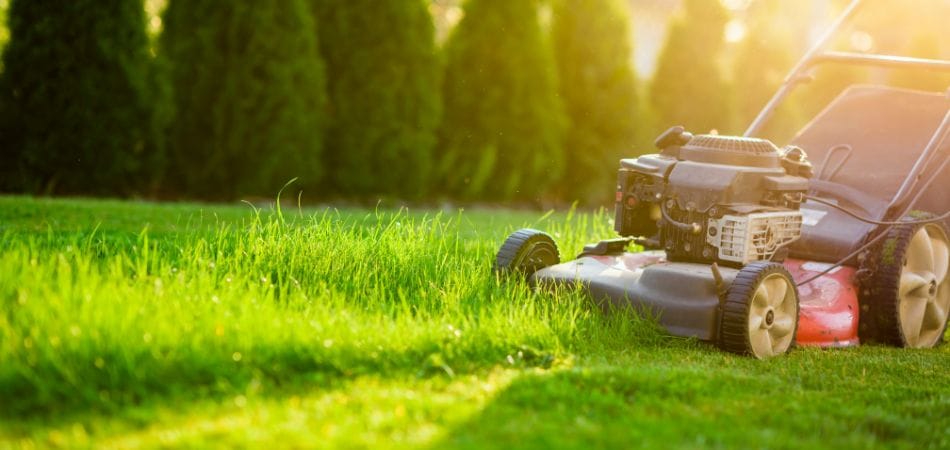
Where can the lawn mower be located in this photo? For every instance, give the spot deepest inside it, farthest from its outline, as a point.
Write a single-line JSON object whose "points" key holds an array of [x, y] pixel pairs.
{"points": [[838, 238]]}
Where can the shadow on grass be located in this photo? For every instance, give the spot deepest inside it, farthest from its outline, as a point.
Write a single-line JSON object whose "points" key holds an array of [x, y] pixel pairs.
{"points": [[59, 398], [676, 394], [429, 397], [108, 379], [189, 389], [669, 398]]}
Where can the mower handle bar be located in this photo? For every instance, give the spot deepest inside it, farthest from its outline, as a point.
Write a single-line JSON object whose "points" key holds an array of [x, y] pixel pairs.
{"points": [[884, 61], [815, 56], [926, 159]]}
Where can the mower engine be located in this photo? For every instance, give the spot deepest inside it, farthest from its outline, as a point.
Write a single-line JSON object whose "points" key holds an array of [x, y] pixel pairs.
{"points": [[713, 199]]}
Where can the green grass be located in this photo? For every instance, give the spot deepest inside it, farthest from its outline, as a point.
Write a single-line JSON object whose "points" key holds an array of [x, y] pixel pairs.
{"points": [[167, 325]]}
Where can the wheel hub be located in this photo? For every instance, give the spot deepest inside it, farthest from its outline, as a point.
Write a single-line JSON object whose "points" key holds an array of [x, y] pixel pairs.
{"points": [[922, 300], [772, 314]]}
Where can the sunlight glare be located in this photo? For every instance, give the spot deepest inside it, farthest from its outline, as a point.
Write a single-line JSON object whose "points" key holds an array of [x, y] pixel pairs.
{"points": [[862, 41], [736, 5], [735, 31]]}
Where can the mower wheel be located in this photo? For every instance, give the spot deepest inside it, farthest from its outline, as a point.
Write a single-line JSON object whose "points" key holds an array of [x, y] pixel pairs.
{"points": [[760, 313], [906, 297], [525, 252]]}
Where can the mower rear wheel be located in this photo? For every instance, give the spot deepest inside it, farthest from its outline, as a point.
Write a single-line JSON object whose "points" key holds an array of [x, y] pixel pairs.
{"points": [[906, 299], [760, 314], [525, 252]]}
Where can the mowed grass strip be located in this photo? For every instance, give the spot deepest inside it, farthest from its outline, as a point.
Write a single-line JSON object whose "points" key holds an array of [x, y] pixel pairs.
{"points": [[128, 325]]}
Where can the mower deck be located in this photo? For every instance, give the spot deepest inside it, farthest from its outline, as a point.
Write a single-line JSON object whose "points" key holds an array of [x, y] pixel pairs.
{"points": [[685, 297]]}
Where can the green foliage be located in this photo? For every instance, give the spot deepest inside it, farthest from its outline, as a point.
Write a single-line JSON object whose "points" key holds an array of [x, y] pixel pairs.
{"points": [[502, 133], [593, 51], [763, 59], [383, 83], [4, 31], [76, 96], [249, 94], [688, 87]]}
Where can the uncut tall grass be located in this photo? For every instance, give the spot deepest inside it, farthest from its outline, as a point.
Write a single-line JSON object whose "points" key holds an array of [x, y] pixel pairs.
{"points": [[92, 321]]}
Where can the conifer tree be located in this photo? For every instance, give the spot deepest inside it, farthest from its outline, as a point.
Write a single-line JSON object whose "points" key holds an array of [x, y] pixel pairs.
{"points": [[763, 59], [688, 87], [593, 51], [502, 133], [383, 76], [249, 94], [4, 29], [75, 104]]}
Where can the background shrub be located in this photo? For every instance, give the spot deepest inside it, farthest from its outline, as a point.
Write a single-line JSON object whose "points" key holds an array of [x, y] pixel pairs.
{"points": [[763, 58], [598, 87], [383, 84], [504, 122], [76, 110], [248, 85], [688, 87]]}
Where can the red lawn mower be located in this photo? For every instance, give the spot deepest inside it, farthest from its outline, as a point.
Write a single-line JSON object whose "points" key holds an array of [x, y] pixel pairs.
{"points": [[749, 246]]}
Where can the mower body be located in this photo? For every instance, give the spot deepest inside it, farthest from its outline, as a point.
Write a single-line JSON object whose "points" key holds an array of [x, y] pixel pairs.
{"points": [[823, 242], [685, 298], [865, 145]]}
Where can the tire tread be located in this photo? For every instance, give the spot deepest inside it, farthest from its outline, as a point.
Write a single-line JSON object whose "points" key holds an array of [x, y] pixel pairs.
{"points": [[734, 318]]}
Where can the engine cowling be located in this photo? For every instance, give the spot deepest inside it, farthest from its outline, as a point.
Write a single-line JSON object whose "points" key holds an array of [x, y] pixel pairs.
{"points": [[710, 198]]}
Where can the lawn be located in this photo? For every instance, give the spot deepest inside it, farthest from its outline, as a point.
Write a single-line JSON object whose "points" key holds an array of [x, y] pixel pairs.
{"points": [[132, 324]]}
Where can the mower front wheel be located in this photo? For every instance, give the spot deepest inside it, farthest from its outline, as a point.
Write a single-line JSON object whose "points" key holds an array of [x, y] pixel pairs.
{"points": [[760, 313], [525, 252]]}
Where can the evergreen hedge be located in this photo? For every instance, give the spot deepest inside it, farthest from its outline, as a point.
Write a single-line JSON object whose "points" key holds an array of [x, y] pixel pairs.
{"points": [[763, 59], [248, 85], [76, 110], [503, 128], [383, 76], [688, 87], [593, 51]]}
